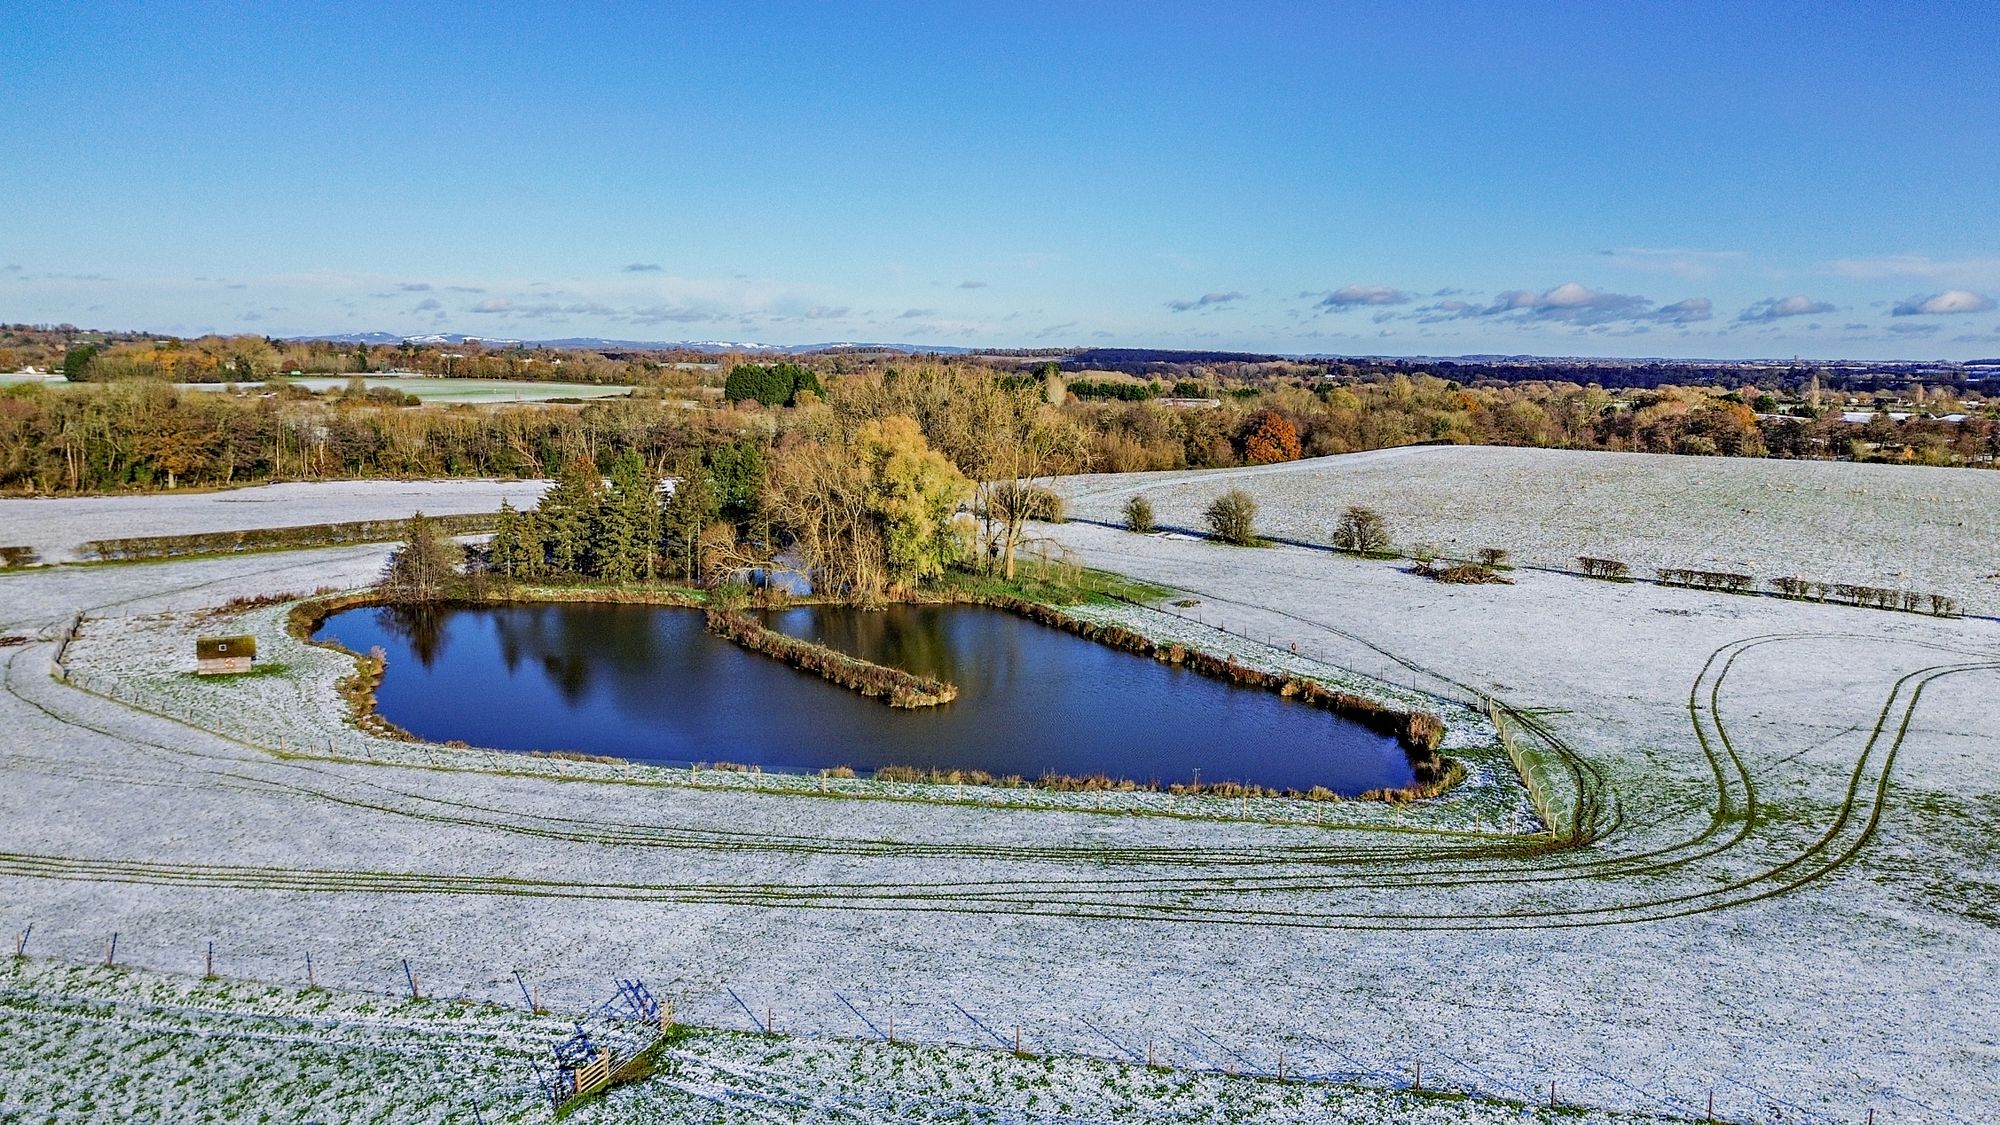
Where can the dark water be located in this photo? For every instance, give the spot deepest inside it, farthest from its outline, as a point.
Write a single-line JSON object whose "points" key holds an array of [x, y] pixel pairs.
{"points": [[649, 683]]}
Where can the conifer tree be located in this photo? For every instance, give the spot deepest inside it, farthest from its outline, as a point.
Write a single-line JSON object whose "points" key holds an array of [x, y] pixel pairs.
{"points": [[689, 508], [503, 551], [627, 526], [568, 516]]}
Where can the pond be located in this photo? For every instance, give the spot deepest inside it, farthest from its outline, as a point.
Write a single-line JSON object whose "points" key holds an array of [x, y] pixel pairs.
{"points": [[649, 683]]}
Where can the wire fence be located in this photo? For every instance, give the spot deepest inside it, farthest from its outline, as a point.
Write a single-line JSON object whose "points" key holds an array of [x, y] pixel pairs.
{"points": [[1355, 1055]]}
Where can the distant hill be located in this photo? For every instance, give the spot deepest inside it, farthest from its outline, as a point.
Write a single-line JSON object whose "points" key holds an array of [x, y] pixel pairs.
{"points": [[598, 343]]}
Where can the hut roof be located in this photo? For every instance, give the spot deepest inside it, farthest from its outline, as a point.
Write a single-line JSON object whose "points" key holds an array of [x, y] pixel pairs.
{"points": [[222, 648]]}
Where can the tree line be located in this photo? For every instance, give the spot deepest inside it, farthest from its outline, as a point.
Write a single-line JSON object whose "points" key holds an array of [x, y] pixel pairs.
{"points": [[144, 434]]}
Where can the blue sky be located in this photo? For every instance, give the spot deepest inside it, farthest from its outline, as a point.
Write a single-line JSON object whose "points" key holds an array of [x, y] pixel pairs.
{"points": [[1618, 179]]}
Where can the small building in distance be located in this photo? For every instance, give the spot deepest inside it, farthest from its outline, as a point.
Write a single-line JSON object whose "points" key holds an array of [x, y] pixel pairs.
{"points": [[224, 656]]}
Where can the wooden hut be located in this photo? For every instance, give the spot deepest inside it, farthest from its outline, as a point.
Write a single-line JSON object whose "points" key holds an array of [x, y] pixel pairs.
{"points": [[224, 656]]}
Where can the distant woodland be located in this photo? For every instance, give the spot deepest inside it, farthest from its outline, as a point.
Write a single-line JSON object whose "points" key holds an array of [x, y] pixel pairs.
{"points": [[121, 423]]}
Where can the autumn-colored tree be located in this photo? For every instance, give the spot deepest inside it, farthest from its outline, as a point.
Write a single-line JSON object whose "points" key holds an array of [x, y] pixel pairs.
{"points": [[870, 508], [1270, 437]]}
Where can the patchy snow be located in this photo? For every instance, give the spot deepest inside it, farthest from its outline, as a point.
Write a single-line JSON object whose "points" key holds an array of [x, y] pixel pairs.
{"points": [[1833, 952], [1900, 526], [57, 526]]}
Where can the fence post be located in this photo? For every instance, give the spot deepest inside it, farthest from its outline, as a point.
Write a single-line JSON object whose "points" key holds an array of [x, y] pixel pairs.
{"points": [[411, 977], [529, 1000], [770, 1022], [1017, 1038], [21, 943], [1420, 1075], [111, 951], [311, 981], [211, 960]]}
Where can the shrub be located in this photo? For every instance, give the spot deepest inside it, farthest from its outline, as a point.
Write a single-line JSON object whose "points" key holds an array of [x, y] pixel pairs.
{"points": [[1493, 557], [1233, 518], [1361, 531], [1707, 579], [1610, 569], [1027, 501], [1139, 515]]}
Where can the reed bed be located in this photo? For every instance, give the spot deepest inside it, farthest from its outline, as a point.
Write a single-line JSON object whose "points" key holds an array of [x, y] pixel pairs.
{"points": [[1419, 732], [892, 685]]}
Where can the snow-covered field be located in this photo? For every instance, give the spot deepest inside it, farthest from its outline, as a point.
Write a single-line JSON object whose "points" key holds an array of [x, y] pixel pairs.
{"points": [[1908, 527], [1793, 901], [55, 527], [116, 1044]]}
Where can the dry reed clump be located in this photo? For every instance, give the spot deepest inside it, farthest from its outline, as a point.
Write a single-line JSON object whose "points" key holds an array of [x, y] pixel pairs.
{"points": [[841, 772], [897, 687], [1459, 573], [1419, 732], [1091, 783], [916, 775], [358, 690], [572, 756], [1472, 574]]}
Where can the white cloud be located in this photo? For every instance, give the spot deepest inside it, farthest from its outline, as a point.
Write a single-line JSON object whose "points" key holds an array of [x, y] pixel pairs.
{"points": [[1571, 303], [1354, 296], [1206, 300], [1689, 311], [1943, 304], [1777, 308]]}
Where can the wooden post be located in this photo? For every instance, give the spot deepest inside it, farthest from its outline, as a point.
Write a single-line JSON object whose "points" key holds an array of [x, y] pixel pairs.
{"points": [[892, 1027], [666, 1016], [1711, 1105], [1552, 1095], [1149, 1052], [111, 950], [1281, 1050], [1017, 1038], [210, 972], [1420, 1074], [21, 943], [311, 982], [411, 977], [770, 1022]]}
